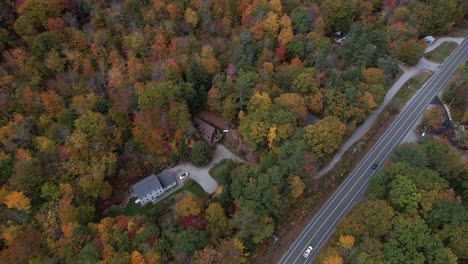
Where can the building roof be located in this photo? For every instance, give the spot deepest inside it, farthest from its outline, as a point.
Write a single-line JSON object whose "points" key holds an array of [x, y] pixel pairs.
{"points": [[166, 178], [145, 186], [310, 120], [206, 129]]}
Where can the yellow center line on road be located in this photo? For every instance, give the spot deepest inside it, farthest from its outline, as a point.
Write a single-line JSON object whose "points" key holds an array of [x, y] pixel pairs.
{"points": [[365, 171]]}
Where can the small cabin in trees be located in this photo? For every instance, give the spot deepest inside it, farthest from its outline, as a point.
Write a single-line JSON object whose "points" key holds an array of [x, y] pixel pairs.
{"points": [[153, 186], [210, 133], [310, 120]]}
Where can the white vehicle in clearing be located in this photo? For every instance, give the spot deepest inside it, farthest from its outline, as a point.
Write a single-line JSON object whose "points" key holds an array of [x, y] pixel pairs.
{"points": [[184, 175], [307, 252]]}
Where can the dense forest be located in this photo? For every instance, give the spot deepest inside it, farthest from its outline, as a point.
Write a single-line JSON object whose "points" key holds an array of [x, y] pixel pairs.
{"points": [[95, 91], [415, 211]]}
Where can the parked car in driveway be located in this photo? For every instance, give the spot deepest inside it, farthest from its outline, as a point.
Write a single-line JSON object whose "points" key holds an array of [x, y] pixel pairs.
{"points": [[184, 175]]}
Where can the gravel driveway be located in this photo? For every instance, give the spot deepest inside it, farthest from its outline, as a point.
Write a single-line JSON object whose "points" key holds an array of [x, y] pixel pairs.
{"points": [[201, 175]]}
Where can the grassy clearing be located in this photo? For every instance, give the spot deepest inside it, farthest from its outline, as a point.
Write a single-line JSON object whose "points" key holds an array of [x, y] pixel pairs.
{"points": [[193, 188], [440, 53]]}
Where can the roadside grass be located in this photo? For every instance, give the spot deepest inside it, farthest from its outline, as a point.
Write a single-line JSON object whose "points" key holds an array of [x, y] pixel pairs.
{"points": [[440, 53], [410, 87], [190, 188]]}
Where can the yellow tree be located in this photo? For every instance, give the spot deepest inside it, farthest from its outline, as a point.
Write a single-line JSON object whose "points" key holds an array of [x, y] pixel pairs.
{"points": [[259, 101], [286, 33], [295, 103], [297, 186], [18, 201], [316, 103], [346, 242], [189, 206], [271, 136], [333, 260], [209, 61], [319, 25], [368, 99], [137, 258], [191, 17], [325, 136], [217, 221], [271, 24], [373, 76], [276, 5]]}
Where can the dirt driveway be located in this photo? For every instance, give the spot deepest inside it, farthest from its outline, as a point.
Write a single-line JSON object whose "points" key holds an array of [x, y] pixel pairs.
{"points": [[201, 174]]}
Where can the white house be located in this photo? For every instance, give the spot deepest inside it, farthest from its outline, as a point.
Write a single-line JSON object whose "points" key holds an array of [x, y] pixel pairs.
{"points": [[152, 187]]}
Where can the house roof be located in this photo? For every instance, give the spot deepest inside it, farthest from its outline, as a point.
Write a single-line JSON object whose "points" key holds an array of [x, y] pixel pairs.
{"points": [[310, 120], [145, 186], [206, 129], [166, 178]]}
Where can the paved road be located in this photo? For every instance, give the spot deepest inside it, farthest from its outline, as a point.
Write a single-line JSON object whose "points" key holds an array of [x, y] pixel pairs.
{"points": [[409, 72], [322, 225]]}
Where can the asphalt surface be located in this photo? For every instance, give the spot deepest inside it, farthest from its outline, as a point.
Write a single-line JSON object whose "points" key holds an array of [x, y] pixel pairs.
{"points": [[201, 174], [322, 226]]}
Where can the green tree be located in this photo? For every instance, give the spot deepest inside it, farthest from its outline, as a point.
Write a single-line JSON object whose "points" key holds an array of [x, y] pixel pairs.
{"points": [[365, 45], [201, 154], [89, 254], [305, 83], [43, 43], [191, 240], [6, 167], [159, 95], [250, 225], [67, 117], [199, 77], [411, 153], [447, 212], [338, 15], [92, 125], [295, 49], [371, 218], [445, 161], [291, 159], [403, 195], [412, 242], [35, 15], [245, 86], [259, 195]]}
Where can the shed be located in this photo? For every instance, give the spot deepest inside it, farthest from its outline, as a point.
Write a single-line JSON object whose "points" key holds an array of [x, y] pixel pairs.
{"points": [[429, 40]]}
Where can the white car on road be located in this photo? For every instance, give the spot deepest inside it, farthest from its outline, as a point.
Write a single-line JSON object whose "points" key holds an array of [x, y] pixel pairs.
{"points": [[307, 252]]}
